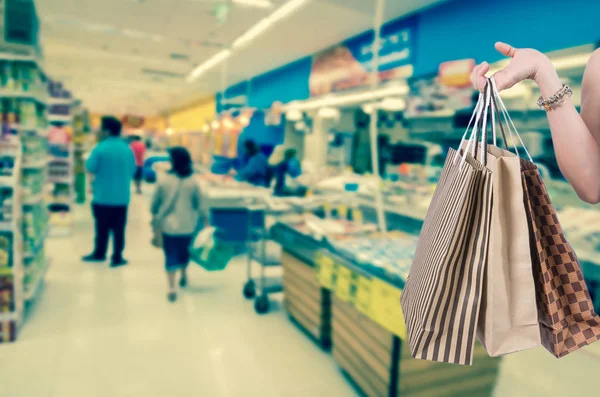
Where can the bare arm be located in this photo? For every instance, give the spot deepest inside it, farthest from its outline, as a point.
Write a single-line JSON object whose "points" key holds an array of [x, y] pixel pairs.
{"points": [[575, 137]]}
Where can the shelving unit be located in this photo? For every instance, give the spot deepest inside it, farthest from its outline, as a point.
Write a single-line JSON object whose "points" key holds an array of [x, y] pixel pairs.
{"points": [[23, 162], [11, 246], [61, 156], [81, 130], [28, 125]]}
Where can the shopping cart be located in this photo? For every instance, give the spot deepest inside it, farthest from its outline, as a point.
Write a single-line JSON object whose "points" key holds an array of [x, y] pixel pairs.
{"points": [[264, 252], [253, 236]]}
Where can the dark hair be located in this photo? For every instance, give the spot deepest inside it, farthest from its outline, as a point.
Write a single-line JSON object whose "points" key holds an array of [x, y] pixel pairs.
{"points": [[289, 154], [251, 147], [181, 162], [112, 125]]}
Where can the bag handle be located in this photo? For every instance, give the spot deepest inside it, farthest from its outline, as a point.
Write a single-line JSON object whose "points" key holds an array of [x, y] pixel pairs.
{"points": [[481, 118], [507, 119]]}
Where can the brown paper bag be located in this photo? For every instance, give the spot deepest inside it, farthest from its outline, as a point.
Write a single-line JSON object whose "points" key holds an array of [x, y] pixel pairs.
{"points": [[508, 321]]}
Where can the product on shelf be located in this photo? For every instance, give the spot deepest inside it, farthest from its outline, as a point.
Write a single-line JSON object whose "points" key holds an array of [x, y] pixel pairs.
{"points": [[6, 247]]}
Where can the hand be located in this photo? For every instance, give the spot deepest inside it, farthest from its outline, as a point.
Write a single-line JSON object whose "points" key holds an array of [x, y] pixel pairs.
{"points": [[526, 64]]}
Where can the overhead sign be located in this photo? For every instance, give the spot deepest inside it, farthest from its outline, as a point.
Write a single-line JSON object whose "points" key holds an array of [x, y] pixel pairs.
{"points": [[349, 64]]}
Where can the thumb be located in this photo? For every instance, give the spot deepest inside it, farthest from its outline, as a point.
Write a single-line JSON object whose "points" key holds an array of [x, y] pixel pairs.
{"points": [[504, 79], [506, 49]]}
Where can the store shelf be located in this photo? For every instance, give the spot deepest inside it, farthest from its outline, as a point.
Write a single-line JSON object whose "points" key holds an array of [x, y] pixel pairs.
{"points": [[13, 316], [60, 101], [40, 99], [8, 180], [22, 127], [55, 118], [33, 200], [64, 180], [60, 160], [41, 164], [32, 288], [8, 226]]}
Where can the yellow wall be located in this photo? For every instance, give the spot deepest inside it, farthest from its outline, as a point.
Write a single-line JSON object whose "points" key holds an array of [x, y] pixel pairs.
{"points": [[193, 117]]}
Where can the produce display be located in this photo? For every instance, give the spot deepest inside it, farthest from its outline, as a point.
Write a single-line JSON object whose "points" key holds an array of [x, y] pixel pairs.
{"points": [[389, 255]]}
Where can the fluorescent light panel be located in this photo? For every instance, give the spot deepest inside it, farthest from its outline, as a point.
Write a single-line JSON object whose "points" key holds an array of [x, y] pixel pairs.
{"points": [[262, 26], [206, 66], [265, 24], [254, 3]]}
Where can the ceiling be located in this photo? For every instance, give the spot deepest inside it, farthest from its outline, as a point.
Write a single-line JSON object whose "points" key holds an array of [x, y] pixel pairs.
{"points": [[132, 56]]}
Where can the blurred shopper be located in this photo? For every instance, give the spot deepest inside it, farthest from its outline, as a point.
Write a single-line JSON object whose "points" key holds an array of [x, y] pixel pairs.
{"points": [[139, 151], [112, 164], [284, 171], [576, 137], [256, 169], [175, 210]]}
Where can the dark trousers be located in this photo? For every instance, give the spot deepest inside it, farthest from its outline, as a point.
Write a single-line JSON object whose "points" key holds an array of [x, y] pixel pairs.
{"points": [[110, 218]]}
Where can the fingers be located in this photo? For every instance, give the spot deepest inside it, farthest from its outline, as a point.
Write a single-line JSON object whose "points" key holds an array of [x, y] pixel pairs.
{"points": [[506, 49], [478, 76]]}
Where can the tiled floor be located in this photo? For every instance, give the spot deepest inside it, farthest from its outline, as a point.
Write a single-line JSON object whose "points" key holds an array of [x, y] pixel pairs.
{"points": [[98, 332]]}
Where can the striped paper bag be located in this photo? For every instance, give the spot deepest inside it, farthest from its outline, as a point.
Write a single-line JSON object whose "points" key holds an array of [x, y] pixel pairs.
{"points": [[442, 295]]}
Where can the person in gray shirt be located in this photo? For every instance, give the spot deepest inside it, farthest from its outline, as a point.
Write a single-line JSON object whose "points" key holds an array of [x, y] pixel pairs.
{"points": [[176, 213]]}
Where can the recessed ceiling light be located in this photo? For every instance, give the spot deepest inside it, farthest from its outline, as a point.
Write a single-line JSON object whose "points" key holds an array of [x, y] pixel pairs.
{"points": [[254, 3]]}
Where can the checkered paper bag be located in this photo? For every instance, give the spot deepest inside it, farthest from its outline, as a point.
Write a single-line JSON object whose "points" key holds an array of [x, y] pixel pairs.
{"points": [[566, 314], [565, 309], [442, 295]]}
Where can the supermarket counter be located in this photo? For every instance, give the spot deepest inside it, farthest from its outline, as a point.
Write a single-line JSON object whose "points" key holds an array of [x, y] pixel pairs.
{"points": [[350, 304], [399, 215]]}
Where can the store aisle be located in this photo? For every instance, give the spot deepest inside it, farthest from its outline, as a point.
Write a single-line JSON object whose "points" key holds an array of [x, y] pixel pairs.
{"points": [[97, 331]]}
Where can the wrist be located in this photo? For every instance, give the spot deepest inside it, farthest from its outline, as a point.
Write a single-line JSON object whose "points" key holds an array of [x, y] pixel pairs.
{"points": [[547, 79]]}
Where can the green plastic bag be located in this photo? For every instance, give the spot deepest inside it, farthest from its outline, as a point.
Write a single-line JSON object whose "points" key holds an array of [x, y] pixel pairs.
{"points": [[209, 252]]}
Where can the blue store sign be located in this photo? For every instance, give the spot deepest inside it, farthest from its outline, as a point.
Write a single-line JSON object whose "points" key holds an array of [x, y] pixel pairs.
{"points": [[349, 64]]}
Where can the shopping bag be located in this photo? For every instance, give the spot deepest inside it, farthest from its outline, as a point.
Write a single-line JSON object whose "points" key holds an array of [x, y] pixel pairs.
{"points": [[442, 294], [567, 320], [508, 321], [209, 252]]}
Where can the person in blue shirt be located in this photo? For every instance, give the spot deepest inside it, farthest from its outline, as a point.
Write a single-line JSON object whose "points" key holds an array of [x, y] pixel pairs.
{"points": [[256, 169], [112, 165], [288, 166]]}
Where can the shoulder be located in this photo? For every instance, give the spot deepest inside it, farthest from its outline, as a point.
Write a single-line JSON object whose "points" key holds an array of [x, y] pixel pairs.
{"points": [[591, 77], [100, 147], [593, 65]]}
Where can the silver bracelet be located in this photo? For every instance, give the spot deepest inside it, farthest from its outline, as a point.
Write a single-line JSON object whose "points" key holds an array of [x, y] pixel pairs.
{"points": [[555, 100]]}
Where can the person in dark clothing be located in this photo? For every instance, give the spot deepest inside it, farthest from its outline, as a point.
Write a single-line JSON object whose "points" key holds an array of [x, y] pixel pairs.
{"points": [[289, 166], [255, 171], [113, 165]]}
